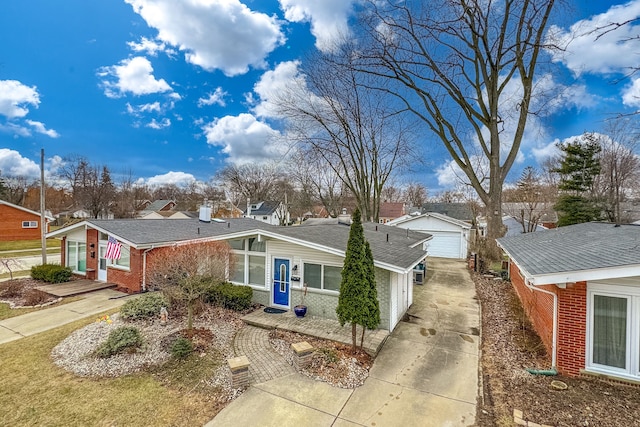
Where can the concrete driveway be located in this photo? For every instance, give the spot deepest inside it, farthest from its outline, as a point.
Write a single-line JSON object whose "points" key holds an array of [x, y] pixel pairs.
{"points": [[425, 375]]}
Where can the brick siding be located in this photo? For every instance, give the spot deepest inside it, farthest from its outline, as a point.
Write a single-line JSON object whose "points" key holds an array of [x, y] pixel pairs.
{"points": [[11, 224], [572, 320]]}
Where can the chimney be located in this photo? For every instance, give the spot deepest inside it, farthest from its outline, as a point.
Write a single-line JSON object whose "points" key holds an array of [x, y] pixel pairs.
{"points": [[248, 214], [205, 212]]}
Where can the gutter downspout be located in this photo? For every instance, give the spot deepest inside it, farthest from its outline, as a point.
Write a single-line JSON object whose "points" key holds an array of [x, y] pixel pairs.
{"points": [[144, 269], [554, 344]]}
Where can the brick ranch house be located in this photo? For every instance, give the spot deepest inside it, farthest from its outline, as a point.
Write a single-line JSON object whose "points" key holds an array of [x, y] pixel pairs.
{"points": [[274, 261], [580, 286], [18, 223]]}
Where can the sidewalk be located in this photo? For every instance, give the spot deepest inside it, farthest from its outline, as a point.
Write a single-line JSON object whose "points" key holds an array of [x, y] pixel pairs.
{"points": [[49, 318]]}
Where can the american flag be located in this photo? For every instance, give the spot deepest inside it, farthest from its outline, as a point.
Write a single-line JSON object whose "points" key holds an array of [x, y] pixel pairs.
{"points": [[113, 248]]}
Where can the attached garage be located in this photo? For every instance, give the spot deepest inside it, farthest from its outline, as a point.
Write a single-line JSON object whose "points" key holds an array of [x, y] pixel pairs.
{"points": [[450, 236]]}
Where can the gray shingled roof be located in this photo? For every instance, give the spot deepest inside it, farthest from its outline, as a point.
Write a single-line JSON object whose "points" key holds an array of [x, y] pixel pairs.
{"points": [[267, 208], [577, 247], [143, 232], [397, 251]]}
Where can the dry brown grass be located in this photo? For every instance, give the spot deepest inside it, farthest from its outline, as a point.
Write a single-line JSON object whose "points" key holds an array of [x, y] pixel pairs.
{"points": [[33, 391]]}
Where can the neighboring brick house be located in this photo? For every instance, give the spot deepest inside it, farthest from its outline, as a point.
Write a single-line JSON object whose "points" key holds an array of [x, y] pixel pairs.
{"points": [[390, 211], [580, 286], [264, 254], [18, 223]]}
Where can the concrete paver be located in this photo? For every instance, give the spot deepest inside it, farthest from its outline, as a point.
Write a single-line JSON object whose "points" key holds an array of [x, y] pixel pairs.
{"points": [[265, 363]]}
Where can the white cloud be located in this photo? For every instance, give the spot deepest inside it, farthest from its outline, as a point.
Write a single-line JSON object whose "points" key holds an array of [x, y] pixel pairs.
{"points": [[612, 52], [15, 97], [154, 124], [181, 179], [15, 130], [285, 77], [244, 139], [137, 110], [13, 164], [631, 94], [214, 34], [151, 47], [216, 97], [328, 18], [543, 152], [40, 128], [450, 175], [132, 75]]}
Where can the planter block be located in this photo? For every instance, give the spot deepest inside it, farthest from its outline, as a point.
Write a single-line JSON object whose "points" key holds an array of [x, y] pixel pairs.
{"points": [[239, 367], [302, 354]]}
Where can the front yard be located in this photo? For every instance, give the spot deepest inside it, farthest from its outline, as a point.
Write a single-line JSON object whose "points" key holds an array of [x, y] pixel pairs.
{"points": [[57, 378], [509, 346]]}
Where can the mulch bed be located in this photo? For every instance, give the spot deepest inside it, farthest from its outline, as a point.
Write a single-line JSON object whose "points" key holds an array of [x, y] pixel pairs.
{"points": [[509, 345], [22, 293]]}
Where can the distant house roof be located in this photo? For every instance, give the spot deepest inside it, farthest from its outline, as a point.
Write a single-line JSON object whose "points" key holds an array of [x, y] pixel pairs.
{"points": [[47, 213], [589, 251], [460, 211], [160, 205], [412, 217], [393, 248], [514, 226], [543, 210], [391, 210], [263, 208]]}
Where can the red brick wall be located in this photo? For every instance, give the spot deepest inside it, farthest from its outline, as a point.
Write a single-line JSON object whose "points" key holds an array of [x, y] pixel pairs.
{"points": [[63, 251], [92, 239], [572, 320], [537, 305], [11, 224], [128, 281], [572, 323]]}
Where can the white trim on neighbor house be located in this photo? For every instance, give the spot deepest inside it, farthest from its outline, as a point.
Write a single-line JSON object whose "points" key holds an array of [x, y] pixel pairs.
{"points": [[631, 294], [4, 202]]}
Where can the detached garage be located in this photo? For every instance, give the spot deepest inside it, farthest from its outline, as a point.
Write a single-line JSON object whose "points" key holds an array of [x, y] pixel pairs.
{"points": [[450, 236]]}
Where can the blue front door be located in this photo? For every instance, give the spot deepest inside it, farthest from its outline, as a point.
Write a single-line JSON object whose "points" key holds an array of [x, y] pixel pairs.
{"points": [[281, 282]]}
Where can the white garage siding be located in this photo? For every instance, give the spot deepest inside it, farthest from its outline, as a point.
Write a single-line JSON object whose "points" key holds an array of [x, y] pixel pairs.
{"points": [[445, 244]]}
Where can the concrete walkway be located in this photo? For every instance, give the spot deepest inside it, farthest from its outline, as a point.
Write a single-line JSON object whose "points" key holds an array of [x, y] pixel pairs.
{"points": [[49, 318], [425, 375]]}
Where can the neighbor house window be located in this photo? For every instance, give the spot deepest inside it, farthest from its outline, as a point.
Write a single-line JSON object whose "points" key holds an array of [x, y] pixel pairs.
{"points": [[29, 224], [77, 256], [320, 276], [613, 346], [250, 262]]}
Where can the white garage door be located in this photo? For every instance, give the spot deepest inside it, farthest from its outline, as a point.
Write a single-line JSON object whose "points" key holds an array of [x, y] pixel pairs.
{"points": [[445, 244]]}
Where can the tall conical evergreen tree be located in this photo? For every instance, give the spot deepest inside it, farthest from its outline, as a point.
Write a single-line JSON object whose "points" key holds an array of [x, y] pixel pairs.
{"points": [[358, 302]]}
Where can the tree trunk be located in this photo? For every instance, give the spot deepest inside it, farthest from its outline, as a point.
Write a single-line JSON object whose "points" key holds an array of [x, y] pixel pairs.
{"points": [[353, 335], [190, 315], [362, 338]]}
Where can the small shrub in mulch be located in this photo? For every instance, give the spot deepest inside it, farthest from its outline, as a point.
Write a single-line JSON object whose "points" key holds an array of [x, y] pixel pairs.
{"points": [[144, 307], [227, 295], [52, 273], [121, 339], [181, 348]]}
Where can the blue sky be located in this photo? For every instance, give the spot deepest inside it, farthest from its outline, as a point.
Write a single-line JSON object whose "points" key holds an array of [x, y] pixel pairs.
{"points": [[172, 90]]}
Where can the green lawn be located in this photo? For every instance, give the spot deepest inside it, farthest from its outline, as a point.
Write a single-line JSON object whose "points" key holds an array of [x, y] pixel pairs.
{"points": [[28, 244], [34, 391]]}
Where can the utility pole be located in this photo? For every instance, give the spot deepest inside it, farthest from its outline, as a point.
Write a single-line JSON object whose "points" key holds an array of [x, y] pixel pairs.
{"points": [[43, 219]]}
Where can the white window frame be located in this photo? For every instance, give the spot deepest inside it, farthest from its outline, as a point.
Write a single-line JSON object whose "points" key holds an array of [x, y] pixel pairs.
{"points": [[76, 247], [246, 253], [322, 265], [632, 362], [113, 263], [29, 224]]}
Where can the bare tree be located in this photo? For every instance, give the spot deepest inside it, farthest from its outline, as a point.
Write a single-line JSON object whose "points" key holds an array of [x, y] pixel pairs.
{"points": [[463, 67], [91, 185], [186, 272], [620, 165], [331, 114], [415, 194], [527, 200], [15, 189], [392, 194], [257, 182]]}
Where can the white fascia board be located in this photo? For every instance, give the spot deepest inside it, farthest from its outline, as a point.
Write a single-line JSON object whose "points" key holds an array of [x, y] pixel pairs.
{"points": [[65, 230], [586, 275]]}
